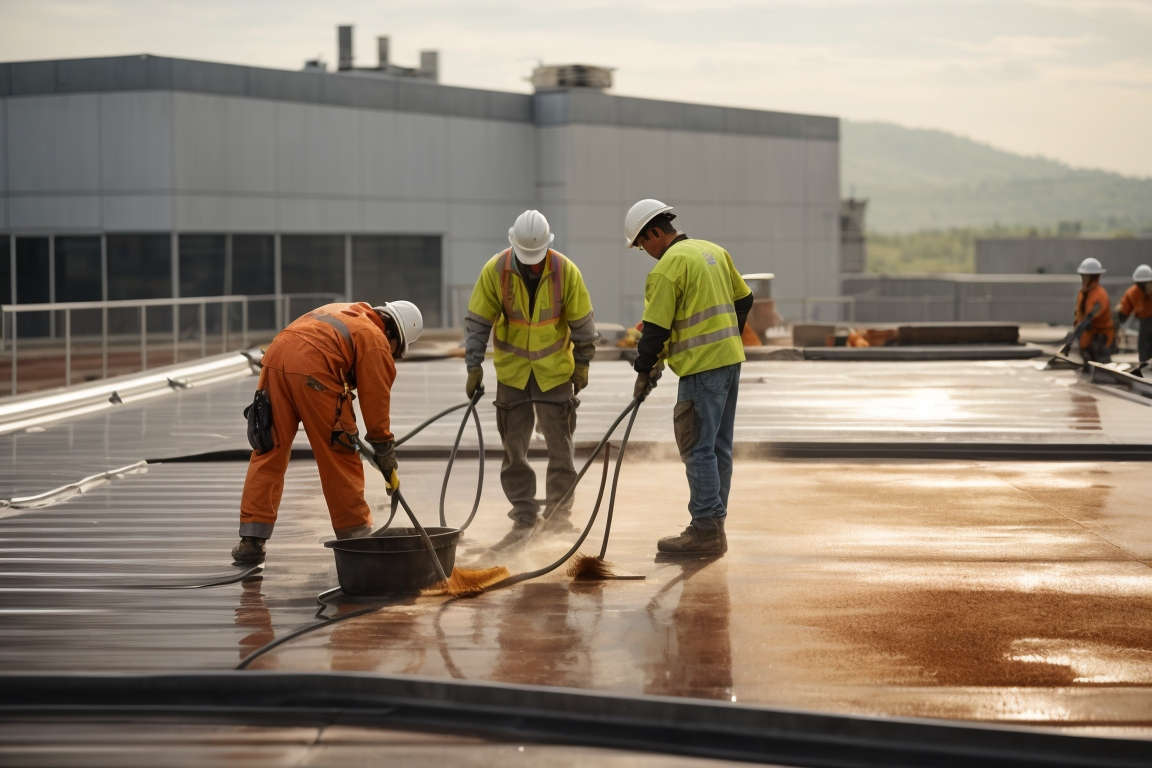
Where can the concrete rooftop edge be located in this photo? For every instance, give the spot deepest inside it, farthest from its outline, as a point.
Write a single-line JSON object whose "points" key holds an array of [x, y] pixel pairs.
{"points": [[145, 72]]}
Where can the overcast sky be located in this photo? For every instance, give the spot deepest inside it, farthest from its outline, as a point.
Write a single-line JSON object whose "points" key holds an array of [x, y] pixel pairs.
{"points": [[1069, 79]]}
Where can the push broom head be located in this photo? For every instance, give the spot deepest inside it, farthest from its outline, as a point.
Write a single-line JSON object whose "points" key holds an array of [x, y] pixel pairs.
{"points": [[589, 568], [466, 581]]}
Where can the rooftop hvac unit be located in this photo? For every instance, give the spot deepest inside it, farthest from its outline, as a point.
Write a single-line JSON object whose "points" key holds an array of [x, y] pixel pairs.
{"points": [[548, 76]]}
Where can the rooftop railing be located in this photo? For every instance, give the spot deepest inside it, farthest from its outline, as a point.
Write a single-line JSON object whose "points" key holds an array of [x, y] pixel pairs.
{"points": [[220, 324]]}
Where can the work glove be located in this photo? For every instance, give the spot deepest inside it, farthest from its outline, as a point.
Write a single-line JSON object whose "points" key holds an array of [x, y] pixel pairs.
{"points": [[579, 377], [385, 458], [474, 385], [646, 381]]}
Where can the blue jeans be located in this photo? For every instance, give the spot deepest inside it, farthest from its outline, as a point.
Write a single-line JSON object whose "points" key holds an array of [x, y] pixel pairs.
{"points": [[703, 421]]}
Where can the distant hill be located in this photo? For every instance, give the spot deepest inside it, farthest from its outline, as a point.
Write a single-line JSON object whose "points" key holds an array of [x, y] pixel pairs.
{"points": [[924, 179]]}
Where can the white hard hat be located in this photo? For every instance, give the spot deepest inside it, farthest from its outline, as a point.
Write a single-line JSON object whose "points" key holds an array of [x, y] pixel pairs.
{"points": [[408, 321], [1090, 266], [639, 215], [530, 237], [1143, 274]]}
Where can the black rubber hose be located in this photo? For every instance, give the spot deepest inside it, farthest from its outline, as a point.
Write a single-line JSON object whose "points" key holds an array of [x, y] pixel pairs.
{"points": [[615, 481], [241, 575], [516, 578], [470, 411]]}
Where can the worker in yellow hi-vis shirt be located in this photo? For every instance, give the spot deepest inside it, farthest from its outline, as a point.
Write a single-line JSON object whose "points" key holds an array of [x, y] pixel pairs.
{"points": [[545, 337], [695, 306]]}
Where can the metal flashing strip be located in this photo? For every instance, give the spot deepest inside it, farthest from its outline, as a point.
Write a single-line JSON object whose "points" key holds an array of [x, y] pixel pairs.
{"points": [[556, 715], [70, 490], [21, 412], [927, 352]]}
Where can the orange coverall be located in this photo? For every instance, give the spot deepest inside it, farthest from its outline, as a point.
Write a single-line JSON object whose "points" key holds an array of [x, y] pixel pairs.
{"points": [[1101, 324], [1136, 302], [305, 370]]}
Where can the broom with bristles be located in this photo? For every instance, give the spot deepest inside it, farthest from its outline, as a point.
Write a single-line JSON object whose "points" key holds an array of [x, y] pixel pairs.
{"points": [[596, 568], [462, 581]]}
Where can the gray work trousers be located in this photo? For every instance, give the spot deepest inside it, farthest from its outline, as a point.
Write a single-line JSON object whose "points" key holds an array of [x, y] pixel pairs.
{"points": [[516, 413]]}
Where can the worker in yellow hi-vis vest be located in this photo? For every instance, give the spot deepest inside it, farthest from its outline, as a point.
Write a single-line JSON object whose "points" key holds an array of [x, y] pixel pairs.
{"points": [[695, 306], [545, 337]]}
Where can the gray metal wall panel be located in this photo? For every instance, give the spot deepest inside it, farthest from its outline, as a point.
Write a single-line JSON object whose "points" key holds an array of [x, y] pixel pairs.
{"points": [[56, 143], [33, 77], [551, 108], [5, 158], [342, 90], [210, 77], [147, 72], [131, 73], [5, 80], [508, 106], [285, 86], [1055, 255], [135, 141]]}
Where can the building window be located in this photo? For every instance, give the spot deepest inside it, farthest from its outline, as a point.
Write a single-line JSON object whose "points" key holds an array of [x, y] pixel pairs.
{"points": [[203, 272], [6, 270], [139, 267], [78, 268], [312, 264], [387, 267], [33, 284], [202, 265], [254, 274]]}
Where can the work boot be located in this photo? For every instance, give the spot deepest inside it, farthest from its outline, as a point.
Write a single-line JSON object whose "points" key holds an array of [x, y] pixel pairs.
{"points": [[249, 551], [705, 536]]}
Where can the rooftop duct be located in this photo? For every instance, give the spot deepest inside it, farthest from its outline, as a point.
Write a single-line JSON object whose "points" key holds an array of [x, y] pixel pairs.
{"points": [[344, 43], [551, 76]]}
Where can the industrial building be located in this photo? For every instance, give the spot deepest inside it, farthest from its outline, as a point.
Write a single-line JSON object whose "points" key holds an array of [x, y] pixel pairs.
{"points": [[1060, 255], [136, 177]]}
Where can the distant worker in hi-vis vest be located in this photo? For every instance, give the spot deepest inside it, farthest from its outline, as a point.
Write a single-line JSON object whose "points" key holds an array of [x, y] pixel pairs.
{"points": [[695, 306], [534, 300]]}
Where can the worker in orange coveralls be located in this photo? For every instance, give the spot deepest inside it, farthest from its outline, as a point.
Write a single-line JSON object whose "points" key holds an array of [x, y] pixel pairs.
{"points": [[1093, 316], [309, 372], [1137, 300]]}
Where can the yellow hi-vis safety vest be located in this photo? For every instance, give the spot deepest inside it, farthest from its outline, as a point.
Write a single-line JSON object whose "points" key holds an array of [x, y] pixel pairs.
{"points": [[539, 345], [692, 291]]}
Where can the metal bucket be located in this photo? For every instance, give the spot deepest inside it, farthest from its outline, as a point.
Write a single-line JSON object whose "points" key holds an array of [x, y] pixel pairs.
{"points": [[393, 562]]}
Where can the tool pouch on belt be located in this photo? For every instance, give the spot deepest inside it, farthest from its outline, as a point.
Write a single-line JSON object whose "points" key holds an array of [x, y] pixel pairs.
{"points": [[344, 435], [259, 416]]}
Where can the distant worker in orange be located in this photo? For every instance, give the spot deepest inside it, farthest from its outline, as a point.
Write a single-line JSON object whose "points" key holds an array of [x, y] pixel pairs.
{"points": [[308, 375], [1138, 301], [1093, 316]]}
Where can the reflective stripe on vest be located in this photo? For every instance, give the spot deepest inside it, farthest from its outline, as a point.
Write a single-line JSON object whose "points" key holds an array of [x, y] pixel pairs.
{"points": [[533, 354], [349, 375], [508, 295], [699, 341], [703, 315], [336, 323]]}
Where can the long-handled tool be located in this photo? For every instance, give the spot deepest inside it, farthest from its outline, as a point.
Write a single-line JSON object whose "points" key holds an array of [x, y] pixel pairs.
{"points": [[587, 567], [461, 581]]}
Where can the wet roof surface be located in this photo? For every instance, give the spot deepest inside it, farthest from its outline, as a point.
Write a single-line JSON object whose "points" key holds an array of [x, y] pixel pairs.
{"points": [[953, 402], [1001, 591]]}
